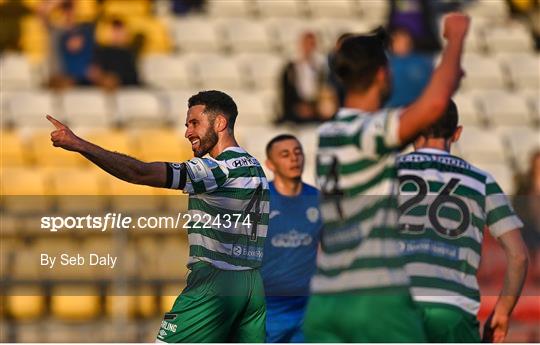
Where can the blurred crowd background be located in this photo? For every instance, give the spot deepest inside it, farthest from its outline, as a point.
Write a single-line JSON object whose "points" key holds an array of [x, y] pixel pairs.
{"points": [[120, 72]]}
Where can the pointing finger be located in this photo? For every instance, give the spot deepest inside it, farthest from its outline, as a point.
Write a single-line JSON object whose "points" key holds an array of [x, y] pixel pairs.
{"points": [[55, 122]]}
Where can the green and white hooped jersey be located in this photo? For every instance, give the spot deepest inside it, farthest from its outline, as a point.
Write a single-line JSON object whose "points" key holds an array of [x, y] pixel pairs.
{"points": [[358, 182], [228, 209], [445, 205]]}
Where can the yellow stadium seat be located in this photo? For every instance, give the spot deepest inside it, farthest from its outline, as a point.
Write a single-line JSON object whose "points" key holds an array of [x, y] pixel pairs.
{"points": [[146, 303], [34, 40], [46, 155], [13, 149], [25, 302], [75, 303], [24, 190], [156, 34], [170, 293], [120, 306], [163, 145], [65, 249], [123, 8], [26, 265], [131, 198], [79, 190], [113, 140]]}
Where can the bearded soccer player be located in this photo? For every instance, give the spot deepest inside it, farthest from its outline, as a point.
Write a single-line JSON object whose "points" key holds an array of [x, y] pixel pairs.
{"points": [[445, 203], [360, 292], [224, 297], [292, 240]]}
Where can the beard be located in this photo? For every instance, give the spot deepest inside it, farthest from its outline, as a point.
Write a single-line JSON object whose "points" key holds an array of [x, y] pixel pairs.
{"points": [[206, 143]]}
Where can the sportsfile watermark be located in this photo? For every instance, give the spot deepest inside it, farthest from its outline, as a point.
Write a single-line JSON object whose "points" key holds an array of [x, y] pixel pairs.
{"points": [[118, 221]]}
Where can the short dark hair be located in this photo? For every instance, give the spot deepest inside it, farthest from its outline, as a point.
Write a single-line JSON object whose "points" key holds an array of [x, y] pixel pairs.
{"points": [[447, 124], [359, 57], [216, 102], [277, 139]]}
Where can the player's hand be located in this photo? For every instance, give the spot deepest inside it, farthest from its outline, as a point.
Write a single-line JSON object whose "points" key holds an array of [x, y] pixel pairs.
{"points": [[499, 325], [62, 136], [456, 26]]}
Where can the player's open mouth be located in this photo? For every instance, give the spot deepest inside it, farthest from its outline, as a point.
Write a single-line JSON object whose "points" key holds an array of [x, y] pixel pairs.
{"points": [[195, 142]]}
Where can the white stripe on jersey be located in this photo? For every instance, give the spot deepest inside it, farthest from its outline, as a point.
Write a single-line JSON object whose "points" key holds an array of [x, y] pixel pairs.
{"points": [[436, 271], [360, 279], [444, 296]]}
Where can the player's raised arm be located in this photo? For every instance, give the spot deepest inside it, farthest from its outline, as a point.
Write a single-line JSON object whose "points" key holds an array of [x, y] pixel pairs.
{"points": [[445, 80], [516, 271], [117, 164]]}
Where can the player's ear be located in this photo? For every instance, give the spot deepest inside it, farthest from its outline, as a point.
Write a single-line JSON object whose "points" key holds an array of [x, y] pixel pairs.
{"points": [[270, 165], [457, 134], [221, 123]]}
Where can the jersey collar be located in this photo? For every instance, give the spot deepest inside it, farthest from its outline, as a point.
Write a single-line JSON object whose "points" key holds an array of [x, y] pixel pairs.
{"points": [[346, 112], [433, 151]]}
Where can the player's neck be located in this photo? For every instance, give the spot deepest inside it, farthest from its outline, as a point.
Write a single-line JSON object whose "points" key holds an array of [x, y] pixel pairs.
{"points": [[222, 144], [288, 187], [368, 100], [433, 143]]}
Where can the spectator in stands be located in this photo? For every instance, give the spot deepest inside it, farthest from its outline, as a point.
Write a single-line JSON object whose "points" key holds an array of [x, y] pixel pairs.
{"points": [[411, 71], [420, 19], [527, 204], [11, 14], [306, 96], [527, 11], [115, 64], [71, 45], [184, 7]]}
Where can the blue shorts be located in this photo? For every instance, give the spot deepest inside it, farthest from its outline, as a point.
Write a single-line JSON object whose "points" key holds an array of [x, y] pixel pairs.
{"points": [[284, 319]]}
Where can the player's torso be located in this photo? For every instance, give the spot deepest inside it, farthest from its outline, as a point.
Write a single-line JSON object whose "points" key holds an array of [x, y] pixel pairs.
{"points": [[228, 225], [442, 206], [359, 209], [292, 240]]}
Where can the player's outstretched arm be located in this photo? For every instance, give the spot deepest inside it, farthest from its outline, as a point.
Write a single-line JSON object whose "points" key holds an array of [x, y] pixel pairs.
{"points": [[444, 81], [516, 271], [117, 164]]}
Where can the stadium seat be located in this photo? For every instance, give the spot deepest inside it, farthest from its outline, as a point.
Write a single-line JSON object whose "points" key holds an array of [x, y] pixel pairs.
{"points": [[253, 109], [24, 191], [156, 33], [243, 35], [521, 142], [502, 173], [523, 69], [74, 197], [167, 257], [480, 146], [124, 9], [215, 71], [196, 35], [139, 108], [330, 30], [86, 108], [475, 42], [332, 9], [163, 145], [14, 151], [16, 72], [177, 106], [287, 31], [113, 140], [165, 71], [504, 109], [509, 38], [493, 9], [230, 8], [131, 198], [46, 155], [34, 39], [75, 303], [259, 70], [469, 114], [25, 303], [374, 12], [482, 72], [28, 109], [282, 8]]}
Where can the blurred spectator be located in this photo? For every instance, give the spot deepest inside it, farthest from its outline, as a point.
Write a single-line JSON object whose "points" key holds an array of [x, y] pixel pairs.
{"points": [[527, 11], [527, 204], [11, 14], [411, 71], [71, 45], [115, 63], [419, 18], [184, 7], [306, 95]]}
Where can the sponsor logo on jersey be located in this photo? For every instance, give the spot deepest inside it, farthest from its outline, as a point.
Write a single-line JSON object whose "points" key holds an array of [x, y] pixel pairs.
{"points": [[292, 239], [244, 162], [197, 169]]}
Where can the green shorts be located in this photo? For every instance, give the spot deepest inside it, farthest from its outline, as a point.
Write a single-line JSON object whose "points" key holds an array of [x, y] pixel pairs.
{"points": [[354, 318], [217, 306], [449, 324]]}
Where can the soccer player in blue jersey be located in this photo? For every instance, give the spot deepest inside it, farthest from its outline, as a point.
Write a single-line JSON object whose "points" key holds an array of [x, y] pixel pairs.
{"points": [[292, 239]]}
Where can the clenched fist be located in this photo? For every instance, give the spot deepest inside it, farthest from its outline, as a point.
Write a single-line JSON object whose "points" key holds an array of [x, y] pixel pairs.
{"points": [[456, 26], [63, 137]]}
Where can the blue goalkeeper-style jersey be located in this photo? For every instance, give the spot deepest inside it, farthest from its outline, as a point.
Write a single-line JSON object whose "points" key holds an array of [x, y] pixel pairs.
{"points": [[290, 248]]}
